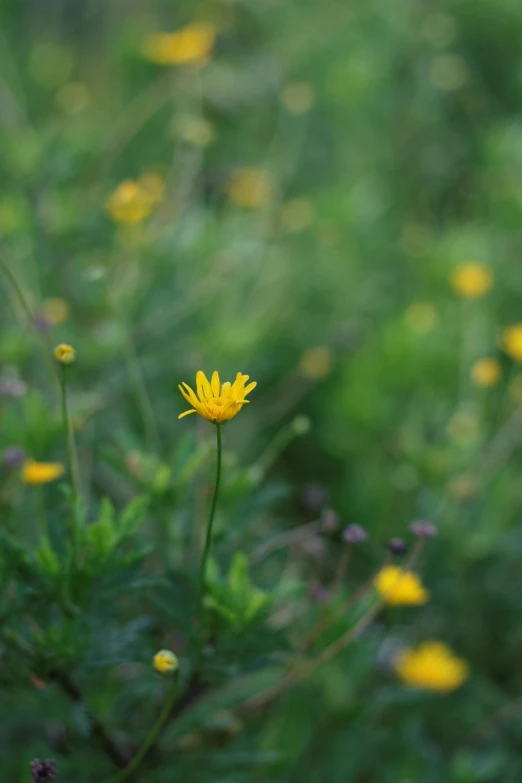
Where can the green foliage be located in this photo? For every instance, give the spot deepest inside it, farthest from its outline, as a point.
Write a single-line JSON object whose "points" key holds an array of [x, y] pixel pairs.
{"points": [[390, 135]]}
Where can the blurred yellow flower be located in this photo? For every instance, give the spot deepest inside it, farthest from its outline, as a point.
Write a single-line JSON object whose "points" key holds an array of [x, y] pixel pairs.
{"points": [[65, 354], [399, 587], [250, 188], [512, 341], [421, 317], [296, 214], [316, 363], [216, 403], [192, 44], [54, 310], [297, 97], [486, 372], [432, 666], [471, 280], [129, 203], [134, 200], [41, 472], [166, 662]]}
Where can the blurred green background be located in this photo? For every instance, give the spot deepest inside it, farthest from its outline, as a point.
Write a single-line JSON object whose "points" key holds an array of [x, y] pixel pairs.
{"points": [[299, 200]]}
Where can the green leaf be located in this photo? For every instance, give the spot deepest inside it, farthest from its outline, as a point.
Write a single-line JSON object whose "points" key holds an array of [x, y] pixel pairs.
{"points": [[47, 559], [132, 516], [102, 538]]}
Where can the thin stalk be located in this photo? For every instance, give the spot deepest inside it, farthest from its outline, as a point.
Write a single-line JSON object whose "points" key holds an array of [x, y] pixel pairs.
{"points": [[150, 740], [69, 440], [208, 536], [26, 307], [72, 690]]}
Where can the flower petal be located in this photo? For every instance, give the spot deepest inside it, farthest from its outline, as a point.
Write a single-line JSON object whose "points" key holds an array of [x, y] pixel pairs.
{"points": [[250, 387], [215, 383], [186, 413], [203, 386]]}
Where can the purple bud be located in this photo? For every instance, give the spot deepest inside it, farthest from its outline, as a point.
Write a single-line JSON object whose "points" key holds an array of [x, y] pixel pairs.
{"points": [[397, 546], [13, 457], [354, 534], [43, 771], [423, 529]]}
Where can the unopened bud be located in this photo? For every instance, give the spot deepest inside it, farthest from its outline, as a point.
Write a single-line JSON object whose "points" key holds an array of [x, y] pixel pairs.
{"points": [[65, 354], [397, 547], [166, 662]]}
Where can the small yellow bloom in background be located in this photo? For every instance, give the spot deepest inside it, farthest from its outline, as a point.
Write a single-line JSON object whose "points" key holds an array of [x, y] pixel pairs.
{"points": [[316, 363], [486, 372], [431, 666], [166, 662], [297, 97], [512, 341], [399, 587], [54, 310], [134, 200], [296, 214], [192, 44], [65, 354], [421, 317], [471, 280], [250, 188], [41, 472], [217, 402]]}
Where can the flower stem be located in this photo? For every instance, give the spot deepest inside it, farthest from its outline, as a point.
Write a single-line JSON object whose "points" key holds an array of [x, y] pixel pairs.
{"points": [[26, 307], [208, 536], [69, 440], [150, 740]]}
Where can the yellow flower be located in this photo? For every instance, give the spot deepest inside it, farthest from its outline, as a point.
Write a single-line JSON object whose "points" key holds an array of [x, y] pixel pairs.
{"points": [[512, 341], [130, 203], [65, 354], [55, 310], [249, 188], [41, 472], [217, 403], [192, 44], [486, 372], [432, 666], [471, 280], [399, 587], [165, 662], [316, 363]]}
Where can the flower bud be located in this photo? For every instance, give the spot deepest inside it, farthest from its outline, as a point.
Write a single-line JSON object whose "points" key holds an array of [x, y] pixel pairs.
{"points": [[13, 457], [65, 354], [397, 547], [43, 771], [423, 529], [354, 534], [166, 662]]}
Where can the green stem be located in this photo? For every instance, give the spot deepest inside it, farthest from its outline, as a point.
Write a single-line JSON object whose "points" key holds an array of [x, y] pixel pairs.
{"points": [[150, 740], [69, 440], [208, 536], [30, 315]]}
